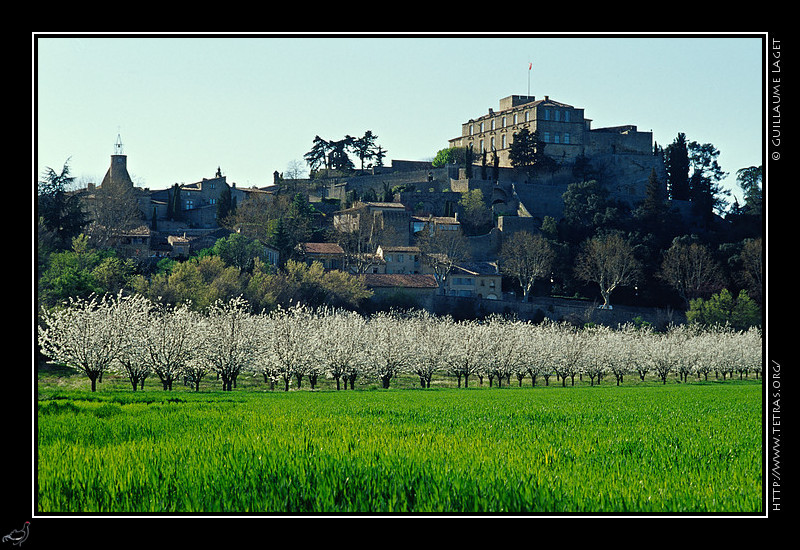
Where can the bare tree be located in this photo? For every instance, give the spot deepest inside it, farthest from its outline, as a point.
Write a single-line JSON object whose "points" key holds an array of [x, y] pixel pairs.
{"points": [[753, 267], [691, 270], [359, 237], [526, 257], [442, 250], [609, 261], [114, 210]]}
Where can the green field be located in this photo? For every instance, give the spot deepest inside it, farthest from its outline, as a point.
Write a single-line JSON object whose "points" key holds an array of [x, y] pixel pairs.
{"points": [[671, 448]]}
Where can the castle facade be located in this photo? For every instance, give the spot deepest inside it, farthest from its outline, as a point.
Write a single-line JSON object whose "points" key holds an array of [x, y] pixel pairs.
{"points": [[564, 129]]}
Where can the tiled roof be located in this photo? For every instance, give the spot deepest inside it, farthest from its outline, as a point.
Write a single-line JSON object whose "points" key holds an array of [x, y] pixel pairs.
{"points": [[400, 249], [478, 268], [322, 248], [400, 280], [436, 219]]}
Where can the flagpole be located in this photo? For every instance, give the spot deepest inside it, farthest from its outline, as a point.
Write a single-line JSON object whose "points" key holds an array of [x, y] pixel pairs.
{"points": [[529, 78]]}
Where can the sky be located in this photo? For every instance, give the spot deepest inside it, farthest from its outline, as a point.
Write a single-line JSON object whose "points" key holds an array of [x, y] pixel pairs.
{"points": [[251, 105]]}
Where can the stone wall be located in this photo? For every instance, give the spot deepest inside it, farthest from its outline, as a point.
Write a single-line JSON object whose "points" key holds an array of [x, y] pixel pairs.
{"points": [[578, 312]]}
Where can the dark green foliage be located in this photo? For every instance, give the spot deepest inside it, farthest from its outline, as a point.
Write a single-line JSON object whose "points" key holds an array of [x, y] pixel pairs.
{"points": [[676, 160], [61, 212]]}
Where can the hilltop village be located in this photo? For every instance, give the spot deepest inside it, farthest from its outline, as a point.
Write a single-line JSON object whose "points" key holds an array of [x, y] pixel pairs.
{"points": [[370, 221]]}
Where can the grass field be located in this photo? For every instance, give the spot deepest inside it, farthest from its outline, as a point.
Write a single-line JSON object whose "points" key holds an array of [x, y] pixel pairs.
{"points": [[639, 447]]}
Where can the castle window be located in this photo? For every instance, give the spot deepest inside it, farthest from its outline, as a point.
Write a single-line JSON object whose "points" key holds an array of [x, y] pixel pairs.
{"points": [[547, 114], [505, 143], [566, 116], [556, 137], [516, 118], [566, 137], [547, 137], [527, 116], [471, 129], [504, 122], [493, 147]]}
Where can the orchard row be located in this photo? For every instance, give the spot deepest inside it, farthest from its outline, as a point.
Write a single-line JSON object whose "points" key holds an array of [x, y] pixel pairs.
{"points": [[135, 337]]}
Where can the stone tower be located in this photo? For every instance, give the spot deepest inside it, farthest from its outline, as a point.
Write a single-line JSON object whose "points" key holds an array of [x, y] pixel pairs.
{"points": [[117, 175]]}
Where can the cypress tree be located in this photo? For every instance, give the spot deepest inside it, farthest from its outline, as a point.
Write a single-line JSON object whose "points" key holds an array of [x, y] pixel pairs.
{"points": [[676, 160]]}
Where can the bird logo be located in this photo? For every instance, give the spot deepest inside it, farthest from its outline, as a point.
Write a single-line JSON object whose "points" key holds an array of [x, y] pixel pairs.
{"points": [[18, 536]]}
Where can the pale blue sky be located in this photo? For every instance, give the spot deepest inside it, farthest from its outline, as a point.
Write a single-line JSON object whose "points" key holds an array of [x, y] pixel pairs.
{"points": [[184, 106]]}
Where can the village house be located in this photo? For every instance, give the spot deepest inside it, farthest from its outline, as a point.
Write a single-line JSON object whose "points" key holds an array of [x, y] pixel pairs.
{"points": [[475, 280], [330, 255], [400, 259], [402, 289]]}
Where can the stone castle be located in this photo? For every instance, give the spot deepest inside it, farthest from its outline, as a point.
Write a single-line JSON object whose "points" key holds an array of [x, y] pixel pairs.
{"points": [[621, 157]]}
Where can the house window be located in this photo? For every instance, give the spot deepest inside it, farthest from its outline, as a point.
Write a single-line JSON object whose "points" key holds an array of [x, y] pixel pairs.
{"points": [[189, 204]]}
